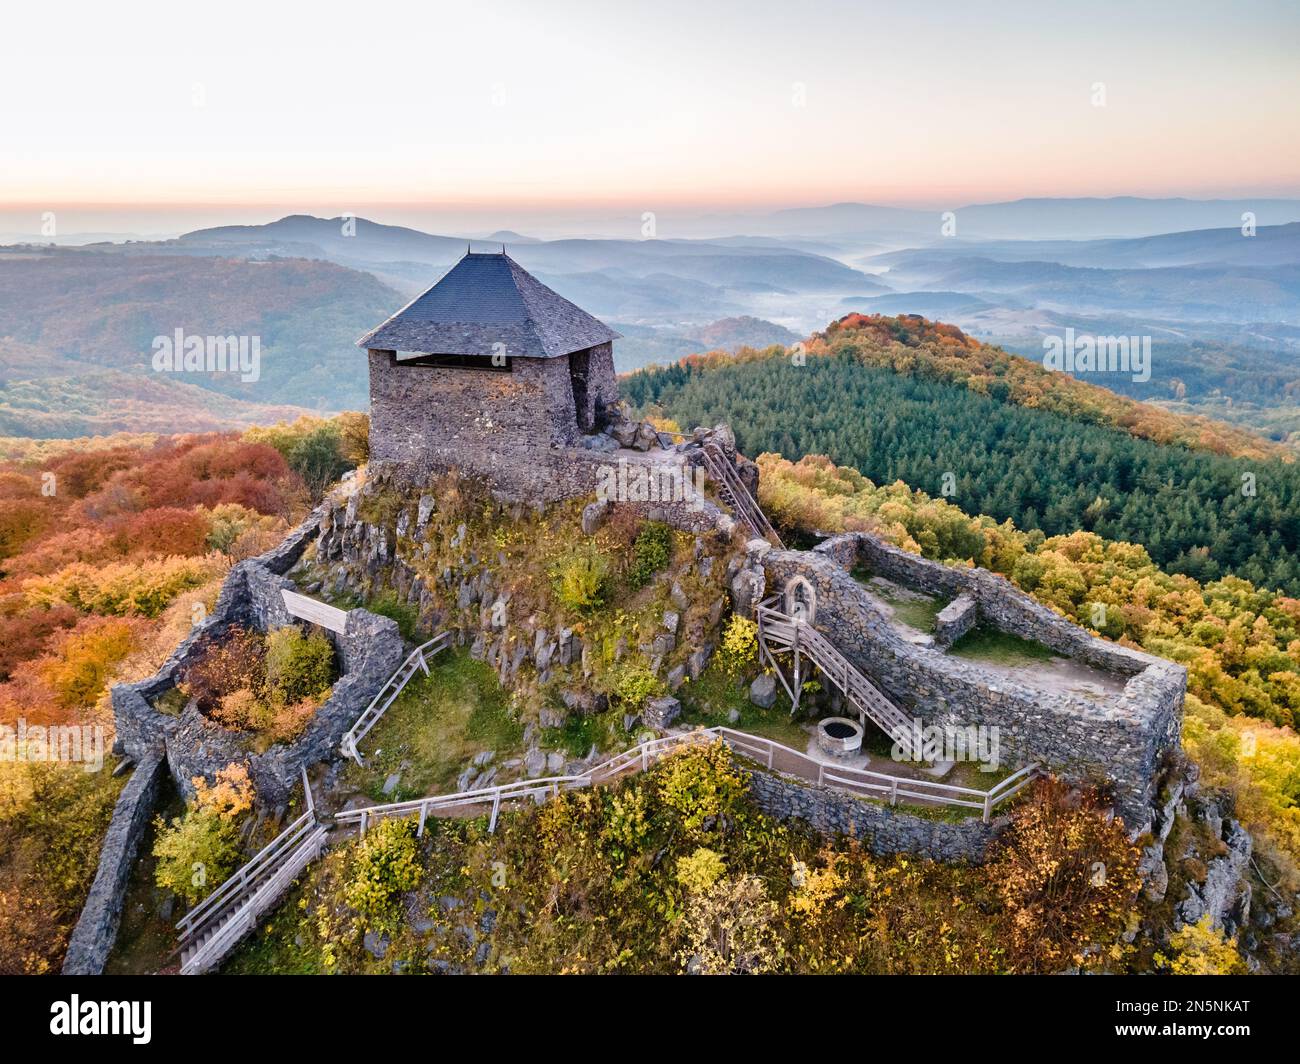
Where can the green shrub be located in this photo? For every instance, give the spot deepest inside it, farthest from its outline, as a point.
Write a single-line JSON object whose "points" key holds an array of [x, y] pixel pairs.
{"points": [[698, 871], [198, 851], [405, 614], [580, 578], [700, 784], [651, 551], [298, 666], [634, 683], [195, 854], [313, 448], [739, 645], [386, 865]]}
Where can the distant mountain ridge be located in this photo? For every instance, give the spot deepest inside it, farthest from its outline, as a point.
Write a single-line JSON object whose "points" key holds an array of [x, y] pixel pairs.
{"points": [[1083, 218], [103, 311]]}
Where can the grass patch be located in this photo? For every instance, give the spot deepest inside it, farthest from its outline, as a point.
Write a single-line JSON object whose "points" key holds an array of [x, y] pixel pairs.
{"points": [[947, 814], [912, 608], [280, 944], [708, 702], [407, 616], [172, 702], [578, 734], [1001, 648], [145, 942], [917, 614], [438, 723]]}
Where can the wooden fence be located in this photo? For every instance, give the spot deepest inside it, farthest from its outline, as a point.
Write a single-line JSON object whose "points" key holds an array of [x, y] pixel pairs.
{"points": [[767, 752], [415, 662], [215, 925]]}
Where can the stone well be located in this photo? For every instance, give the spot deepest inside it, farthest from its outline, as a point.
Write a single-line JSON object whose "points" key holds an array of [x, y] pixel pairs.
{"points": [[839, 736]]}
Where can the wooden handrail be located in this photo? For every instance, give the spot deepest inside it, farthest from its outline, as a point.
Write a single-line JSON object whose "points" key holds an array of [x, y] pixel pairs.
{"points": [[837, 668], [393, 686], [256, 868], [247, 874], [747, 509], [243, 918], [637, 756]]}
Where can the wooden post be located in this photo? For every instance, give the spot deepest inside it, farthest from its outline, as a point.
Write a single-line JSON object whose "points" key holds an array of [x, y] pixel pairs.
{"points": [[798, 681], [363, 821], [988, 809], [893, 792], [496, 808], [424, 811]]}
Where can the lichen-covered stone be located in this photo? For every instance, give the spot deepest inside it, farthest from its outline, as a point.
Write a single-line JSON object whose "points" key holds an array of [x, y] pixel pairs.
{"points": [[762, 692], [660, 713]]}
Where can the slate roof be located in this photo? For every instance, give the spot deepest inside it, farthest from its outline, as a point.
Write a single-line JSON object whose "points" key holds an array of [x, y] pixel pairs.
{"points": [[485, 300]]}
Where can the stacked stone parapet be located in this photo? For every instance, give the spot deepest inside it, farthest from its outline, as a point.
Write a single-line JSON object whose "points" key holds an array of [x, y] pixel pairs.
{"points": [[1115, 741], [368, 650]]}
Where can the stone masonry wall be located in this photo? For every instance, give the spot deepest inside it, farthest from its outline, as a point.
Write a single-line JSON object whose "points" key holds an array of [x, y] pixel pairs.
{"points": [[1000, 603], [880, 828], [601, 381], [955, 620], [369, 650], [516, 431], [1116, 742], [96, 931], [496, 425]]}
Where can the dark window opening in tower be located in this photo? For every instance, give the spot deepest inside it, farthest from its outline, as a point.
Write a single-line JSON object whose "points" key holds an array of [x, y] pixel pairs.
{"points": [[582, 405]]}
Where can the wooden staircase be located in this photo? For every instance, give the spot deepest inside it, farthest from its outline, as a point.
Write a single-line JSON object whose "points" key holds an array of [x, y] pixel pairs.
{"points": [[415, 662], [778, 631], [215, 926], [732, 491]]}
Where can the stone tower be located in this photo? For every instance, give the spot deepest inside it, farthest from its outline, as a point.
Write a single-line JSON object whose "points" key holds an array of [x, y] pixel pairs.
{"points": [[492, 374]]}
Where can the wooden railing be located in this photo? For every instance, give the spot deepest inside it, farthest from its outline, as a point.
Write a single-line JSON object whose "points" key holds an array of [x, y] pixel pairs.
{"points": [[767, 752], [637, 759], [877, 784], [734, 493], [213, 927], [210, 942], [416, 661], [777, 627]]}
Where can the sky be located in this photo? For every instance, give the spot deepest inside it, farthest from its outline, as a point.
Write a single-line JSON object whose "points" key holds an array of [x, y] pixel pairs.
{"points": [[142, 114]]}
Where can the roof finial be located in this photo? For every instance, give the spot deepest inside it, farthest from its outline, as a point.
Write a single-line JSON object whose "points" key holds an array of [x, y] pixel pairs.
{"points": [[503, 247], [467, 245]]}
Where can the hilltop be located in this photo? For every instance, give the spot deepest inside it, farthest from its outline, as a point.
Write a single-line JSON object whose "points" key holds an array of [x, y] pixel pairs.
{"points": [[917, 401], [67, 312]]}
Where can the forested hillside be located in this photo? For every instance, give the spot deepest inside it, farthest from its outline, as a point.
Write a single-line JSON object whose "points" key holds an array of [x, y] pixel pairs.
{"points": [[110, 549], [102, 310], [999, 436]]}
